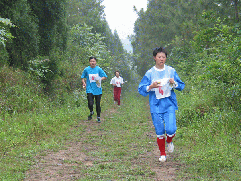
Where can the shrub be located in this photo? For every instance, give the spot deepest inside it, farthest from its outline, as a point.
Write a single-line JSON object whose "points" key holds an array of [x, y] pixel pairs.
{"points": [[44, 69]]}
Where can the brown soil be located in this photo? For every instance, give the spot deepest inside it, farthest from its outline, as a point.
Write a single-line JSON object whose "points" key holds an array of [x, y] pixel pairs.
{"points": [[61, 165]]}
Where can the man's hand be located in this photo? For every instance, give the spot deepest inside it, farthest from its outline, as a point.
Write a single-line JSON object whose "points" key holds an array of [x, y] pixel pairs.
{"points": [[171, 81], [154, 85], [84, 84], [103, 78]]}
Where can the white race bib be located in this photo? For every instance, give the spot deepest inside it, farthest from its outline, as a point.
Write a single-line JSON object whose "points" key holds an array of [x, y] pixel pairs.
{"points": [[164, 90], [92, 77]]}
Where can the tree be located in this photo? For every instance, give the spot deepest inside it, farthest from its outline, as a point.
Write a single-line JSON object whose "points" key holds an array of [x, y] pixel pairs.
{"points": [[165, 21], [91, 12], [51, 24], [5, 36], [25, 44], [40, 28]]}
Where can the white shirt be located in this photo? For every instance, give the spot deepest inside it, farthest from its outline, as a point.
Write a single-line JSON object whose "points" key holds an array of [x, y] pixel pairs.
{"points": [[118, 81]]}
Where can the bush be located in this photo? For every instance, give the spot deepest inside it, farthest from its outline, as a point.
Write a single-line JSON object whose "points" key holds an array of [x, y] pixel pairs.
{"points": [[19, 93], [44, 69]]}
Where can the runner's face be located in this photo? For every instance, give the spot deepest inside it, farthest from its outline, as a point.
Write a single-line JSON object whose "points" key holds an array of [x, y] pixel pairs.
{"points": [[92, 63], [117, 74], [160, 59]]}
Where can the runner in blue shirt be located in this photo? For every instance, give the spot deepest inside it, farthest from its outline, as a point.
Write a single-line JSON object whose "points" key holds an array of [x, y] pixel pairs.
{"points": [[93, 75], [159, 83]]}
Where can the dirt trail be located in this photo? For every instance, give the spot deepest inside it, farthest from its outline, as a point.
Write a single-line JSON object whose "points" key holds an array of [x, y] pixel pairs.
{"points": [[62, 165]]}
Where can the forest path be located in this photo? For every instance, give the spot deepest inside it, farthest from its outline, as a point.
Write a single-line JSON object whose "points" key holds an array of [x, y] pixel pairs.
{"points": [[66, 164]]}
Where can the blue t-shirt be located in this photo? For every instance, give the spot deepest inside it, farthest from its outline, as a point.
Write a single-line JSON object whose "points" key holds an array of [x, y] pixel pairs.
{"points": [[90, 74], [165, 104]]}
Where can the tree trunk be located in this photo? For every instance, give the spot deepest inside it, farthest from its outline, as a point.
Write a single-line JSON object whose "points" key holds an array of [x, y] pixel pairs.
{"points": [[236, 10]]}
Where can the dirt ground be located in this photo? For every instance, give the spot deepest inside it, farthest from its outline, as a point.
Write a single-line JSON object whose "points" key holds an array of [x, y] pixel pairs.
{"points": [[53, 166]]}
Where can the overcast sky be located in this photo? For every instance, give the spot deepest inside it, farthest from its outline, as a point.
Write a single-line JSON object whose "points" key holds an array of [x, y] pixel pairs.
{"points": [[121, 16]]}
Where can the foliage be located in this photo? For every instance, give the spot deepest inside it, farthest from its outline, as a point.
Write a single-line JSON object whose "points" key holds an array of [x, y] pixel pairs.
{"points": [[19, 92], [25, 44], [214, 60], [165, 20], [209, 137], [5, 36], [209, 114], [204, 48], [82, 44], [52, 28], [45, 36], [91, 12], [26, 135], [44, 69], [4, 33], [222, 63], [40, 28]]}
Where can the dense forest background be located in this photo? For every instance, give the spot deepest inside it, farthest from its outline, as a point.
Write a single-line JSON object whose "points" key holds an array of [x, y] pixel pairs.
{"points": [[57, 31], [203, 38], [45, 45]]}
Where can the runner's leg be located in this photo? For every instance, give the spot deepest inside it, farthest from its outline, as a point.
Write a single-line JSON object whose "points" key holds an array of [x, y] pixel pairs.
{"points": [[90, 98], [170, 125], [115, 93], [158, 123], [98, 108], [118, 95]]}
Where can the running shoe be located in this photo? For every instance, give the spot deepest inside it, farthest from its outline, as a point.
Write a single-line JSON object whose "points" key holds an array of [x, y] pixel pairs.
{"points": [[98, 119], [162, 158], [90, 115], [170, 147]]}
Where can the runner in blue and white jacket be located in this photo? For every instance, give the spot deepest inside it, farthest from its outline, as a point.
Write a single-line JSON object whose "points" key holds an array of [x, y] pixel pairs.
{"points": [[159, 83]]}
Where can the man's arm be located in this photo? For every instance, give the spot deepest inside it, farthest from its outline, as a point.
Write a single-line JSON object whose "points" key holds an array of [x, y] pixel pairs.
{"points": [[103, 78], [83, 82]]}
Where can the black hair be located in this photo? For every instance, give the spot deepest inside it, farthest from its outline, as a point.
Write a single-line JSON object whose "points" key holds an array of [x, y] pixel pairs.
{"points": [[92, 58], [159, 50], [117, 71]]}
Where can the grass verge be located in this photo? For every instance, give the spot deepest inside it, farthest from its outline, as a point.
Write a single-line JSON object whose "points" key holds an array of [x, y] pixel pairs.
{"points": [[117, 144], [119, 148], [210, 138]]}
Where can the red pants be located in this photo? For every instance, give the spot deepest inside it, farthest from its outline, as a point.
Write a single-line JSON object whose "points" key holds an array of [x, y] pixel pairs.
{"points": [[117, 93]]}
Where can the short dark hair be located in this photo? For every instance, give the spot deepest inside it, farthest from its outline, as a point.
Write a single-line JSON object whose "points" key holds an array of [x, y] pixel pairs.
{"points": [[117, 71], [92, 58], [159, 50]]}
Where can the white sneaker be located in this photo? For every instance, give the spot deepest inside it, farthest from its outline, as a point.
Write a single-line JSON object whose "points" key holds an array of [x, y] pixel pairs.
{"points": [[162, 158], [170, 147]]}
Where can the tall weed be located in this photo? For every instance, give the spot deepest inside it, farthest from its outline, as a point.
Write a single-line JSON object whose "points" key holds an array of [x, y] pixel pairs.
{"points": [[19, 93], [210, 136]]}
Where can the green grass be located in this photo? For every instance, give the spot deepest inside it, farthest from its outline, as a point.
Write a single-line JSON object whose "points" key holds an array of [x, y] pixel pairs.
{"points": [[25, 135], [116, 145], [210, 139], [207, 139], [120, 139]]}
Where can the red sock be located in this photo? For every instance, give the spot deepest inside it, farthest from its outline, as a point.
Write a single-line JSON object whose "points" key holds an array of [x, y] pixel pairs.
{"points": [[169, 139], [161, 144]]}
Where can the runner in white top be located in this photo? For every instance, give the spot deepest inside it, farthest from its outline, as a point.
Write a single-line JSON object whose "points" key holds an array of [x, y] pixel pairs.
{"points": [[117, 81]]}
